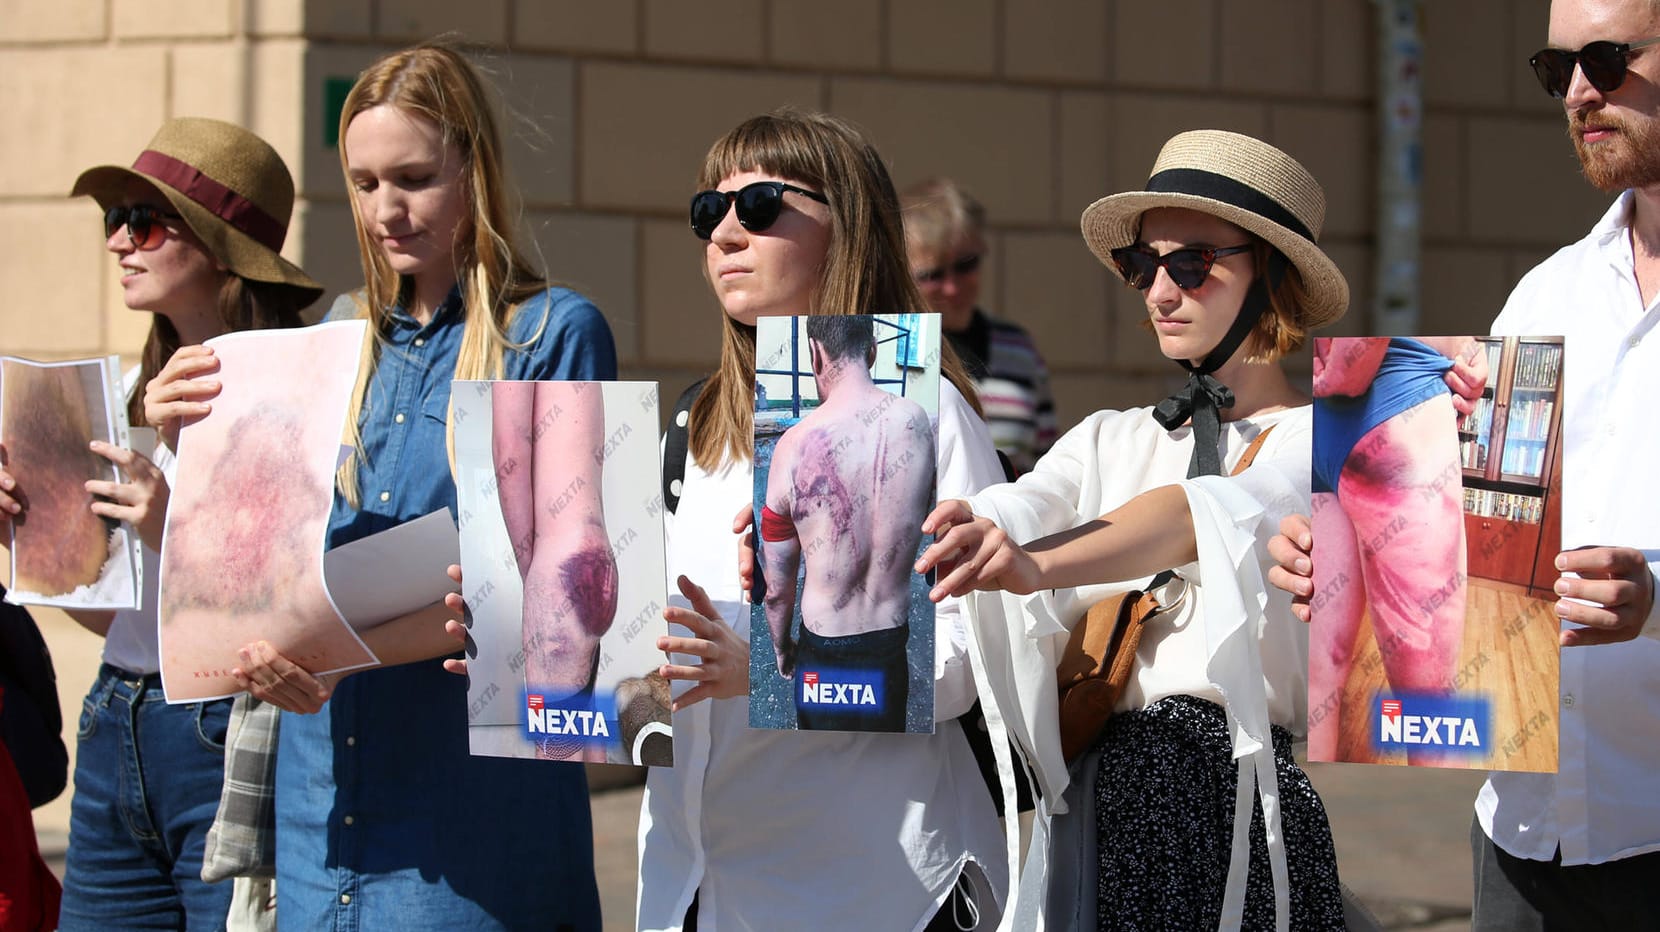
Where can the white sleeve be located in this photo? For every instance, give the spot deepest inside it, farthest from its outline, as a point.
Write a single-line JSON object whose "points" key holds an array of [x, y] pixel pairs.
{"points": [[967, 463]]}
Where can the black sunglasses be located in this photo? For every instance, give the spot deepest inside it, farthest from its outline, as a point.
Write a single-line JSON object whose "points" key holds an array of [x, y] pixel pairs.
{"points": [[139, 219], [1188, 268], [759, 204], [1604, 64], [967, 265]]}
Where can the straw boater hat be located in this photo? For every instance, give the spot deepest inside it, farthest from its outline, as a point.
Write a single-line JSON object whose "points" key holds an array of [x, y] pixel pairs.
{"points": [[231, 188], [1244, 181]]}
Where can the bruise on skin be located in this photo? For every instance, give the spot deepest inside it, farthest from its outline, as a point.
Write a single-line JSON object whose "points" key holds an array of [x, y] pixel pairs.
{"points": [[820, 488], [590, 577], [224, 554], [60, 543]]}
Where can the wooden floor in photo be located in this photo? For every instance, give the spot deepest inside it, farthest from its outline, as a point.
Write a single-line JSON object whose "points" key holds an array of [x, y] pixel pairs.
{"points": [[1509, 652]]}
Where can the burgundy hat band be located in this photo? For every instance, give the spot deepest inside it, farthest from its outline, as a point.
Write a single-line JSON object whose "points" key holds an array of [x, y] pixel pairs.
{"points": [[219, 200]]}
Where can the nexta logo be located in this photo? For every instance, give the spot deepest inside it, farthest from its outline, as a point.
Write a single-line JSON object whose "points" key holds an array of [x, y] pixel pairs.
{"points": [[541, 718], [1457, 724], [850, 690]]}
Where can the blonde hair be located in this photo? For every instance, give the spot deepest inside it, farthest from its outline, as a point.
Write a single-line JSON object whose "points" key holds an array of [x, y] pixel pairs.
{"points": [[864, 272], [436, 82], [939, 215]]}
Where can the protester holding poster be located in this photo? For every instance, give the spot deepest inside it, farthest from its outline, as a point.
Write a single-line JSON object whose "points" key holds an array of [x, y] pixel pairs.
{"points": [[359, 800], [202, 266], [1222, 247], [766, 829]]}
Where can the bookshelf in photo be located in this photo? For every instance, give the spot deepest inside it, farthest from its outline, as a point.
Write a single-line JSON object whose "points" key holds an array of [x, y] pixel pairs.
{"points": [[1509, 448]]}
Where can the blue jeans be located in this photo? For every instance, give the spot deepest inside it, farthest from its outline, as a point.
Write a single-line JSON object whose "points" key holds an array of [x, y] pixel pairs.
{"points": [[147, 781]]}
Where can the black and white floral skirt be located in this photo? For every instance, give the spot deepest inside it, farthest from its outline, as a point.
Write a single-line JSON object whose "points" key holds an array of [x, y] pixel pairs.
{"points": [[1164, 802]]}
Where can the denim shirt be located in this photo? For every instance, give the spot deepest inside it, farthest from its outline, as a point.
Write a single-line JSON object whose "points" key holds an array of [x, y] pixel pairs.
{"points": [[384, 820], [404, 468]]}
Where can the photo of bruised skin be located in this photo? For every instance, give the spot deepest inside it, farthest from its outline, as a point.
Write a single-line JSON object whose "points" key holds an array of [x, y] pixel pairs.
{"points": [[848, 489], [244, 551], [548, 445], [643, 701], [58, 545], [1392, 539]]}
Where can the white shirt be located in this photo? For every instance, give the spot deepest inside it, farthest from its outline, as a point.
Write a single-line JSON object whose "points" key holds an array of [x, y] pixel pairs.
{"points": [[1233, 640], [1603, 802], [813, 830], [133, 640]]}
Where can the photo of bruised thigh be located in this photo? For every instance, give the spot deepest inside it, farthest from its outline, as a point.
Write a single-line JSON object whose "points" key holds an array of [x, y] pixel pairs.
{"points": [[58, 544]]}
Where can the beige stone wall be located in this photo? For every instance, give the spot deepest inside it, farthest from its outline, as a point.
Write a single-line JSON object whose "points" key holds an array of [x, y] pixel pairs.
{"points": [[1038, 106]]}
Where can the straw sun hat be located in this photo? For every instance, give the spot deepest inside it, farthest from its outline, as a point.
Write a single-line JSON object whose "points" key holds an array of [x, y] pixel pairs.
{"points": [[1244, 181], [229, 185]]}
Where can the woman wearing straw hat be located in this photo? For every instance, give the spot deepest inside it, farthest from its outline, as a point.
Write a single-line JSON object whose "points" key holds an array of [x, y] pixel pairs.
{"points": [[1221, 243], [195, 225]]}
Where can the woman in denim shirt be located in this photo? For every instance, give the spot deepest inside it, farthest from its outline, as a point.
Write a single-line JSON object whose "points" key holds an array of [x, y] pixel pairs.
{"points": [[361, 842]]}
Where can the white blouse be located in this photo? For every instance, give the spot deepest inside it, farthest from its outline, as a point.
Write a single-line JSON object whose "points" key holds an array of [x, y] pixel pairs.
{"points": [[791, 829], [1233, 640], [133, 642]]}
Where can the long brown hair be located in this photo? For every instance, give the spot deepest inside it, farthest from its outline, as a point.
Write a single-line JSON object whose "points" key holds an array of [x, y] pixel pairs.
{"points": [[436, 82], [244, 304], [865, 271]]}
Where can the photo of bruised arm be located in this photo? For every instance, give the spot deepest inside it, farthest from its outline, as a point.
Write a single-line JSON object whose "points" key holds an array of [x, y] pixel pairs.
{"points": [[58, 544], [547, 440]]}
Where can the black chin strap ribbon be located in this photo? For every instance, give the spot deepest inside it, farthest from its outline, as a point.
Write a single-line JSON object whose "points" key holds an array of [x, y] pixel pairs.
{"points": [[1202, 399]]}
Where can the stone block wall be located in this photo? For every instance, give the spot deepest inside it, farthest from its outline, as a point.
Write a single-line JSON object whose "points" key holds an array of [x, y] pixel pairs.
{"points": [[1038, 107]]}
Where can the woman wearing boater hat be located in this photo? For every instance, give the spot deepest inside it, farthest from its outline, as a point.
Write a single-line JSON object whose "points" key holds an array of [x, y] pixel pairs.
{"points": [[195, 225], [1165, 827]]}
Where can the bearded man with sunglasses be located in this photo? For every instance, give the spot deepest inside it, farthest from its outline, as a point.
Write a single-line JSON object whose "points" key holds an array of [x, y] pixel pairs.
{"points": [[1580, 849]]}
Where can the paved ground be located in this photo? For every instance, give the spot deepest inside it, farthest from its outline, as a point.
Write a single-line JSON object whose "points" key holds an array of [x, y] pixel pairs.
{"points": [[1402, 836]]}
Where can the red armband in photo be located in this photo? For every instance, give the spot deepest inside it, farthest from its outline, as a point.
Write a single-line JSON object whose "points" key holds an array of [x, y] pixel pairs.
{"points": [[775, 527]]}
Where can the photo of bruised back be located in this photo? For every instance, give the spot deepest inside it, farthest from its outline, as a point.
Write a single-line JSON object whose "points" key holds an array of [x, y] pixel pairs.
{"points": [[63, 553], [845, 464], [242, 554]]}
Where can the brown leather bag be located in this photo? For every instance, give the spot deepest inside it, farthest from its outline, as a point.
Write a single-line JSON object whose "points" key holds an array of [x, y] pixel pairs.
{"points": [[1094, 667]]}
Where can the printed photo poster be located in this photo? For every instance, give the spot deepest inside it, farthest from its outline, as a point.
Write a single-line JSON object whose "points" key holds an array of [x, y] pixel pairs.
{"points": [[561, 517], [1437, 520], [62, 553], [846, 434], [242, 555]]}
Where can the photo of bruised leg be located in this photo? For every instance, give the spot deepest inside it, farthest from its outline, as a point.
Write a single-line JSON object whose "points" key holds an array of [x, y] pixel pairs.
{"points": [[547, 441], [1389, 529], [58, 544]]}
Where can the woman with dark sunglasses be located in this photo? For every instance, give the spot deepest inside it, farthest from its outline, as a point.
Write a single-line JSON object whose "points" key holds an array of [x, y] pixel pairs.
{"points": [[147, 774], [789, 829], [1221, 243]]}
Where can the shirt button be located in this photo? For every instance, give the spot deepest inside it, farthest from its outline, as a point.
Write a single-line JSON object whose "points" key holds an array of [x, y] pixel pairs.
{"points": [[345, 898], [386, 496], [351, 741], [349, 820], [1568, 700], [398, 419], [1633, 342], [420, 341]]}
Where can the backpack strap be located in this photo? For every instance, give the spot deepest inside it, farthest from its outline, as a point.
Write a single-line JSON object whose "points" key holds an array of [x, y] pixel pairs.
{"points": [[677, 444]]}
